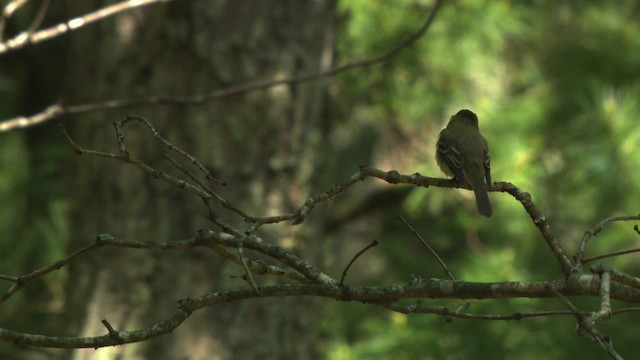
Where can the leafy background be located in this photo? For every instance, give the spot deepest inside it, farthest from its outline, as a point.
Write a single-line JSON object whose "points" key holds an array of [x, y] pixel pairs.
{"points": [[556, 88]]}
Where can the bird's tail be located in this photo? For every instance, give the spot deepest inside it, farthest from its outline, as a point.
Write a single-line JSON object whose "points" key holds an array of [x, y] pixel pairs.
{"points": [[482, 199]]}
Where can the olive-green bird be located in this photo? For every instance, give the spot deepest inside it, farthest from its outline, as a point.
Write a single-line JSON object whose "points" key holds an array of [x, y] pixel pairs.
{"points": [[463, 153]]}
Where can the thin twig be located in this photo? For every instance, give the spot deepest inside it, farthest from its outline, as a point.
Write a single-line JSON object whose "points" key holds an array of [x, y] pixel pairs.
{"points": [[210, 239], [172, 147], [126, 157], [445, 311], [392, 177], [585, 323], [24, 279], [112, 332], [431, 250], [37, 21], [465, 304], [248, 276], [346, 269], [26, 38], [611, 254], [579, 257]]}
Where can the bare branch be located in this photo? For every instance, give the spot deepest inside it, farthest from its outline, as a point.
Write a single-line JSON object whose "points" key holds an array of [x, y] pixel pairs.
{"points": [[579, 257], [446, 312], [245, 265], [37, 21], [124, 156], [374, 295], [431, 250], [374, 243], [216, 241], [393, 177], [168, 144], [51, 112], [20, 281], [27, 38], [611, 254], [585, 324]]}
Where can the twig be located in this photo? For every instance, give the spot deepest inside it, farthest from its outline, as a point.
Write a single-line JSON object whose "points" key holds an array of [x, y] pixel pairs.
{"points": [[25, 38], [112, 332], [256, 243], [625, 310], [171, 147], [445, 311], [185, 171], [20, 281], [465, 304], [579, 257], [215, 241], [204, 192], [585, 323], [126, 157], [392, 177], [37, 21], [248, 275], [611, 254], [346, 269], [431, 250]]}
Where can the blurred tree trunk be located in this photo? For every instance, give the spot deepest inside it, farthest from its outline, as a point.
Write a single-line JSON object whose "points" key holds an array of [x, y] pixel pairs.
{"points": [[266, 144]]}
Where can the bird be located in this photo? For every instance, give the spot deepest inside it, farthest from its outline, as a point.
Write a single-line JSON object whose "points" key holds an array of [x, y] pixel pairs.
{"points": [[463, 153]]}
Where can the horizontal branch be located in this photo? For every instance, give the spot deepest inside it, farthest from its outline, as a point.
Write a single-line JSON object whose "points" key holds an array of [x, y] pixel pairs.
{"points": [[423, 289], [218, 242]]}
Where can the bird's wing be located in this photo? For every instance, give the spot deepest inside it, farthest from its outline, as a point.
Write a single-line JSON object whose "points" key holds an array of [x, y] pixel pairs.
{"points": [[453, 159]]}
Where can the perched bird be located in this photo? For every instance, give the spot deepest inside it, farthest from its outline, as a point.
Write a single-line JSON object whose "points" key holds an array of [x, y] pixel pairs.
{"points": [[463, 153]]}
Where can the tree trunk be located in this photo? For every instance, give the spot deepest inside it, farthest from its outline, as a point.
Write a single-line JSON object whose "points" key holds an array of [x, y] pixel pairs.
{"points": [[266, 144]]}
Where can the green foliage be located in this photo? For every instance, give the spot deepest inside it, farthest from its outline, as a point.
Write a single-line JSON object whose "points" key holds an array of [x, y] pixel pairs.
{"points": [[33, 230], [556, 89]]}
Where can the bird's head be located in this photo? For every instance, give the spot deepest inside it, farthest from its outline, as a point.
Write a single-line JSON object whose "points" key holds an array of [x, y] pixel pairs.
{"points": [[466, 116]]}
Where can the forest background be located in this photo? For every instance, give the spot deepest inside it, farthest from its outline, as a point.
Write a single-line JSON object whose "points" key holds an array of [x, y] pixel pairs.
{"points": [[555, 85]]}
